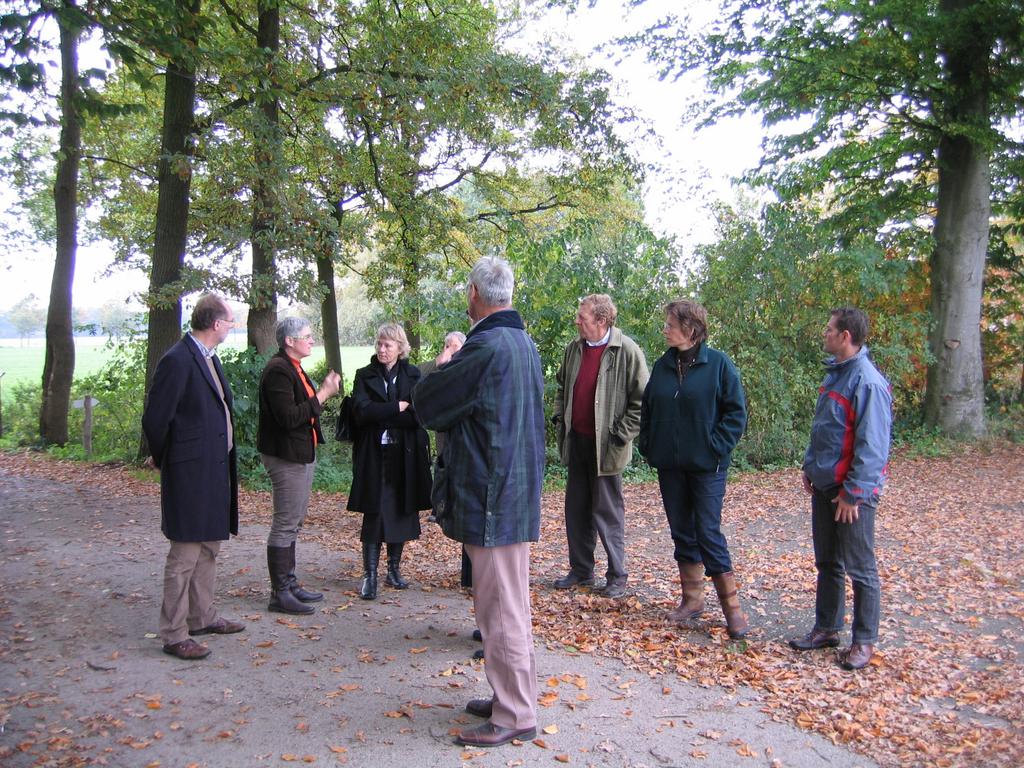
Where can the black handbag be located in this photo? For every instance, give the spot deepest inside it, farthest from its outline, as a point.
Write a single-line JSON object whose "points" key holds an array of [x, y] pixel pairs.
{"points": [[346, 429]]}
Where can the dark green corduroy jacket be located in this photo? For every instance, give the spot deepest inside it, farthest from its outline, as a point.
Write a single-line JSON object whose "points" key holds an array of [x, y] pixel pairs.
{"points": [[489, 399]]}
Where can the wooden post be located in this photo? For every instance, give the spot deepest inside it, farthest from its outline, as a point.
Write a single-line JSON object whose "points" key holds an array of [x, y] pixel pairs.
{"points": [[88, 403]]}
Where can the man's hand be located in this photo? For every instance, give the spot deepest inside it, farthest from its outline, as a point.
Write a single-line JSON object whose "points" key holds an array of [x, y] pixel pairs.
{"points": [[150, 463], [402, 405], [845, 512], [807, 484]]}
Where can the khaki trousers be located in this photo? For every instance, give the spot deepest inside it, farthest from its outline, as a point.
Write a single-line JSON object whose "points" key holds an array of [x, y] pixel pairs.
{"points": [[190, 574], [501, 598]]}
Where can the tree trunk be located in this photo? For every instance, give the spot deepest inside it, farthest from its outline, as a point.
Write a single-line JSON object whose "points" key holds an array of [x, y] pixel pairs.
{"points": [[172, 208], [329, 310], [955, 397], [59, 364], [267, 148]]}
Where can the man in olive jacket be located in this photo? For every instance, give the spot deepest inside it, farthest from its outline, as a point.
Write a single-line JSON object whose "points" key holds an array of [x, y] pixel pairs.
{"points": [[489, 399], [597, 409], [188, 425]]}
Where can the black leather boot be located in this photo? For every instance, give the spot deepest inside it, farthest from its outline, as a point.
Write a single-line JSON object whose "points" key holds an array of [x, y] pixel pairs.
{"points": [[371, 559], [394, 577], [281, 598], [304, 595]]}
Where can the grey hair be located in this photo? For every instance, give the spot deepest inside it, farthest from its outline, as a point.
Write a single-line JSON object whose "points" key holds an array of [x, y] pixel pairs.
{"points": [[289, 327], [455, 335], [492, 277]]}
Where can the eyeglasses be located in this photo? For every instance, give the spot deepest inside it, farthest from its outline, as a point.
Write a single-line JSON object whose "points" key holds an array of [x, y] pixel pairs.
{"points": [[307, 337], [230, 322]]}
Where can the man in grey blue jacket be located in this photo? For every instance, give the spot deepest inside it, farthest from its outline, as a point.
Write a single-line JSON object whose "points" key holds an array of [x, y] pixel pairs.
{"points": [[844, 470], [489, 399]]}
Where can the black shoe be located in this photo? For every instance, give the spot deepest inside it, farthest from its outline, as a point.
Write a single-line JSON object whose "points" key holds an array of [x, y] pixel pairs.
{"points": [[572, 580], [283, 601], [478, 636], [614, 589], [305, 595]]}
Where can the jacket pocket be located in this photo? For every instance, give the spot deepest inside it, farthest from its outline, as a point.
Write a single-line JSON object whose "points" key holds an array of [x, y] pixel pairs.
{"points": [[187, 445]]}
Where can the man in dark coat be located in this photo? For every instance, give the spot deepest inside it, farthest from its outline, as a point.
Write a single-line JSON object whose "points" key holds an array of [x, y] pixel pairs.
{"points": [[188, 424], [490, 400]]}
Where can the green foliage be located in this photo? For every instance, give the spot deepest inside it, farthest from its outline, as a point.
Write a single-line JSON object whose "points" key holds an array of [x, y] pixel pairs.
{"points": [[855, 96], [21, 402], [120, 388], [768, 284], [243, 368]]}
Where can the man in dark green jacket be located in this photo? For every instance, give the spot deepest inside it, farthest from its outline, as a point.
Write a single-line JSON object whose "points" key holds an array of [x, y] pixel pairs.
{"points": [[489, 399]]}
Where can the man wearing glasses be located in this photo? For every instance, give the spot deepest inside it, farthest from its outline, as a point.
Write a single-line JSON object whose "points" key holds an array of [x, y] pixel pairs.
{"points": [[188, 425]]}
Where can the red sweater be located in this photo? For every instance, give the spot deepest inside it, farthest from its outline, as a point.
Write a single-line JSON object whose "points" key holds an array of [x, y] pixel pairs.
{"points": [[585, 389]]}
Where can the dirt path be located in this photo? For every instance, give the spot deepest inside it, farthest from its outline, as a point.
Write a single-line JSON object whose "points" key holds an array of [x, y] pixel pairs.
{"points": [[83, 680]]}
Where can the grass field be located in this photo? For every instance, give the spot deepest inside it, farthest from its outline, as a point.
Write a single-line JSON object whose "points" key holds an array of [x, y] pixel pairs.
{"points": [[25, 362]]}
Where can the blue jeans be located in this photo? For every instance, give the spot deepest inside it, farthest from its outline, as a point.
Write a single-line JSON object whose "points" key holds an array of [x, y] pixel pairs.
{"points": [[693, 505], [841, 550]]}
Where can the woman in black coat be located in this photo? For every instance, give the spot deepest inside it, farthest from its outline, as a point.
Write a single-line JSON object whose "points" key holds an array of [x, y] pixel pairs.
{"points": [[390, 457]]}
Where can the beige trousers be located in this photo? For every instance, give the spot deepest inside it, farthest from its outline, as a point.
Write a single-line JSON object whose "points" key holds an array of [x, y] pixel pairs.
{"points": [[190, 574], [501, 598]]}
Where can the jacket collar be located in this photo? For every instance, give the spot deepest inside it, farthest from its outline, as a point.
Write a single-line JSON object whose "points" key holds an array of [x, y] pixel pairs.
{"points": [[832, 365], [504, 318], [614, 338], [700, 359]]}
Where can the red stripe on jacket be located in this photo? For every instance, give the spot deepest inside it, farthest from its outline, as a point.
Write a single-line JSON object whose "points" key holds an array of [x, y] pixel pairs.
{"points": [[849, 435]]}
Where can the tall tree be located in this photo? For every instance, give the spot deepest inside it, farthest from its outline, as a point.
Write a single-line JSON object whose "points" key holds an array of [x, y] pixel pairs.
{"points": [[174, 179], [268, 184], [901, 111], [59, 363]]}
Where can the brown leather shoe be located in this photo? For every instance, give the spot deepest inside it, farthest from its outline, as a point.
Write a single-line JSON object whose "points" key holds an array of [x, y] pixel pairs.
{"points": [[187, 650], [857, 656], [221, 626], [815, 639], [491, 735], [480, 707]]}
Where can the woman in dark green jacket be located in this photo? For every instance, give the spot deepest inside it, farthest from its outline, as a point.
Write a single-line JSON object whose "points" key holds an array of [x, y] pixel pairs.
{"points": [[693, 414]]}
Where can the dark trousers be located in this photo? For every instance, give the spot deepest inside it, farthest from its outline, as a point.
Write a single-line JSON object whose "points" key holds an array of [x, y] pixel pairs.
{"points": [[593, 507], [693, 505], [841, 550]]}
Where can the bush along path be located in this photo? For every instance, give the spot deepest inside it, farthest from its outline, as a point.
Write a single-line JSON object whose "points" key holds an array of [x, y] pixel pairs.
{"points": [[83, 681]]}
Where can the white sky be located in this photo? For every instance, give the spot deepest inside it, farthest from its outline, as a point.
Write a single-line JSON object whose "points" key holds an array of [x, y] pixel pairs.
{"points": [[697, 168]]}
